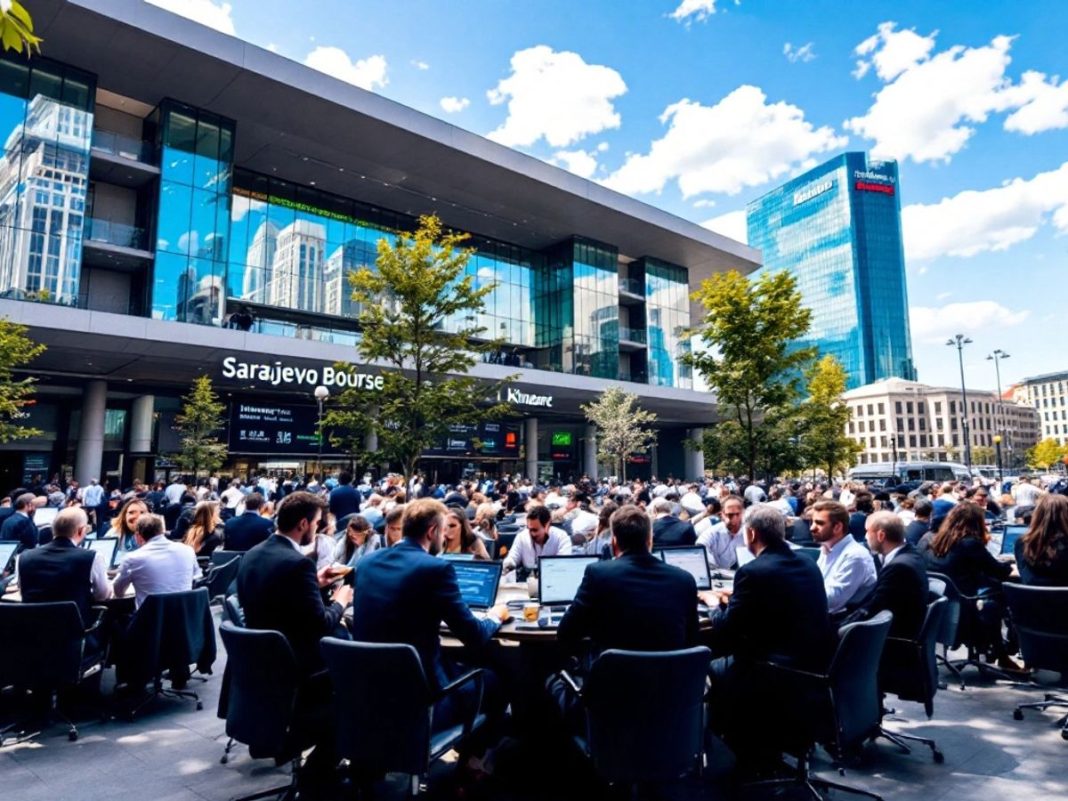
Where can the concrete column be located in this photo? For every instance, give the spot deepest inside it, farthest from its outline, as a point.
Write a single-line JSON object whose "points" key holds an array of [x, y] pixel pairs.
{"points": [[90, 454], [141, 417], [589, 452], [530, 440], [695, 459], [370, 442]]}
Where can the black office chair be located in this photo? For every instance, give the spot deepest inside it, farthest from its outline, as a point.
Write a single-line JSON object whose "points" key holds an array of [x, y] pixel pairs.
{"points": [[218, 578], [383, 707], [658, 735], [505, 541], [961, 627], [44, 652], [170, 632], [233, 612], [221, 556], [259, 700], [909, 670], [1040, 615], [840, 708], [811, 553]]}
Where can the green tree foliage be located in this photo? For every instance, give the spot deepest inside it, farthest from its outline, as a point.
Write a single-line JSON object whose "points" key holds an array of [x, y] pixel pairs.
{"points": [[197, 426], [16, 350], [983, 454], [1046, 453], [409, 306], [623, 427], [824, 417], [16, 28], [752, 366]]}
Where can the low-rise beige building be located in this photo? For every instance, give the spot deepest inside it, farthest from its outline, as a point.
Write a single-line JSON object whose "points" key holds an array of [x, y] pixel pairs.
{"points": [[1048, 396]]}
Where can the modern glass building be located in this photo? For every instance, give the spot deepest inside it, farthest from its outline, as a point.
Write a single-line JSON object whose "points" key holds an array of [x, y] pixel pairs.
{"points": [[159, 177], [837, 230]]}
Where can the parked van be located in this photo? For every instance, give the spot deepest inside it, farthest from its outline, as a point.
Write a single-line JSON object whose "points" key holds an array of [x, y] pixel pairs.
{"points": [[902, 472]]}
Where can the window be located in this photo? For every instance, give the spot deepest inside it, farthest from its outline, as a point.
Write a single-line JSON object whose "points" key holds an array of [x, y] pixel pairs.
{"points": [[882, 408], [897, 406]]}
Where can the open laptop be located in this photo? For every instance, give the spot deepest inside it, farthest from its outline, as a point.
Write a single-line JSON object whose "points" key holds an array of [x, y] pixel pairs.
{"points": [[478, 582], [105, 545], [691, 558], [458, 557], [1009, 537], [43, 517], [7, 550], [559, 578]]}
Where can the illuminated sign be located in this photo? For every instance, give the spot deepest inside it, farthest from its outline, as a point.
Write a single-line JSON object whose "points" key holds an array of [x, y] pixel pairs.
{"points": [[867, 186], [867, 175], [812, 190], [562, 439], [277, 373], [528, 399]]}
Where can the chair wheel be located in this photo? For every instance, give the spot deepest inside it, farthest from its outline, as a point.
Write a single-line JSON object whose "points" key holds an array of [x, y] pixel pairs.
{"points": [[224, 759], [200, 706], [939, 757], [72, 735], [1064, 734], [1017, 714]]}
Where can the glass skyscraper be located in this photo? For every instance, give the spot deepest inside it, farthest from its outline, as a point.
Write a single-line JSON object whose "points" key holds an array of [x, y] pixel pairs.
{"points": [[837, 230]]}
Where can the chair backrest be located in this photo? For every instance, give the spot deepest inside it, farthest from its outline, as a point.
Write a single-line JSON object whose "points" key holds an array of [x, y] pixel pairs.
{"points": [[910, 667], [42, 644], [811, 553], [1040, 615], [948, 633], [233, 612], [220, 556], [853, 676], [261, 689], [645, 718], [936, 586], [505, 540], [170, 629], [222, 576], [382, 704]]}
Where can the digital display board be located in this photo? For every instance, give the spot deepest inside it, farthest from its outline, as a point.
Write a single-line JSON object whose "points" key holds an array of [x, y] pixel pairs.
{"points": [[275, 428]]}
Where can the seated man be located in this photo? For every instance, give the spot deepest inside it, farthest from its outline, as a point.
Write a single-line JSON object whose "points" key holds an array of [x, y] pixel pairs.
{"points": [[921, 523], [248, 529], [668, 529], [539, 539], [847, 566], [158, 565], [19, 526], [724, 539]]}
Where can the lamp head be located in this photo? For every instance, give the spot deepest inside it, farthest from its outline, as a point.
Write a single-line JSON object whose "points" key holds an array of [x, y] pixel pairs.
{"points": [[321, 393]]}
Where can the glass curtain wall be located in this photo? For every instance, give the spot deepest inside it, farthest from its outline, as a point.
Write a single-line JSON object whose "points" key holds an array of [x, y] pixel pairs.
{"points": [[46, 116], [667, 309], [194, 213]]}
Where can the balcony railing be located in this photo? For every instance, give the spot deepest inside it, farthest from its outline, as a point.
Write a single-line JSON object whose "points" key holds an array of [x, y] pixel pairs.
{"points": [[638, 335], [126, 147], [632, 286], [114, 233]]}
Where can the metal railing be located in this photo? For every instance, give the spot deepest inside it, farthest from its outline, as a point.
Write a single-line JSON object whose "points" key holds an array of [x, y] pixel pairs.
{"points": [[115, 233], [638, 335], [632, 286], [127, 147]]}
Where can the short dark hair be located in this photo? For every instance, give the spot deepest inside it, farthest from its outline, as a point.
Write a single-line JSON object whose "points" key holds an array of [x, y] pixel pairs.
{"points": [[149, 526], [395, 514], [24, 500], [419, 515], [253, 501], [631, 528], [923, 507], [344, 477], [298, 506], [863, 501], [768, 523], [835, 512], [541, 514]]}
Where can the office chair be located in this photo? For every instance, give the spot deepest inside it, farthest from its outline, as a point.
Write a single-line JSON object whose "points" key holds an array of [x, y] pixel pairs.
{"points": [[385, 717], [505, 541], [1040, 615], [961, 626], [656, 735], [233, 612], [218, 578]]}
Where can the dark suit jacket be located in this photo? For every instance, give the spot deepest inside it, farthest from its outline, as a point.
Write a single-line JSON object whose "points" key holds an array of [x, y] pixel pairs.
{"points": [[778, 611], [344, 500], [970, 565], [278, 590], [902, 589], [635, 602], [915, 530], [21, 528], [857, 521], [1055, 574], [669, 531], [245, 531], [58, 571], [402, 594]]}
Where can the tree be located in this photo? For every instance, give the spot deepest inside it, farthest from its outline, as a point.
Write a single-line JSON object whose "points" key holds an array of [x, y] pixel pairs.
{"points": [[417, 313], [752, 364], [16, 350], [622, 427], [201, 417], [824, 417], [983, 454], [1046, 453], [16, 28]]}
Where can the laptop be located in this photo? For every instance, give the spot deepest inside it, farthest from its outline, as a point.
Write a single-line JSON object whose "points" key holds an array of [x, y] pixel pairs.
{"points": [[458, 557], [43, 517], [1008, 539], [478, 582], [559, 578], [691, 558], [7, 550], [105, 545]]}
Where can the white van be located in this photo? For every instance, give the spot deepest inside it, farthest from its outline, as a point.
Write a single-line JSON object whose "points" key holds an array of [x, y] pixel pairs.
{"points": [[901, 472]]}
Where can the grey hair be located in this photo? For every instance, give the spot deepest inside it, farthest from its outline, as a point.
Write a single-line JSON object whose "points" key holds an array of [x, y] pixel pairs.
{"points": [[767, 522]]}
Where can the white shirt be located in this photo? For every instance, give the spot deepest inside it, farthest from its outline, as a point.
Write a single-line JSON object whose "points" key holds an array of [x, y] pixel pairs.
{"points": [[1025, 494], [754, 493], [848, 571], [159, 565], [174, 492], [232, 497], [583, 522], [525, 553], [93, 495], [722, 546]]}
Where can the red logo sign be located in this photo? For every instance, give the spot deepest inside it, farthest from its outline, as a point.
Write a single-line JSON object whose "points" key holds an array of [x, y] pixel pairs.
{"points": [[867, 186]]}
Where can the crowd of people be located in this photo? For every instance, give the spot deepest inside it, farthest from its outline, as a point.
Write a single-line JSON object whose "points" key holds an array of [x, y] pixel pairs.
{"points": [[360, 560]]}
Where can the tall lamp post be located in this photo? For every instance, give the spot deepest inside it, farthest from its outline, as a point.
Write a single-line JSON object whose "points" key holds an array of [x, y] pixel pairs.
{"points": [[960, 341], [321, 394], [996, 357], [997, 445]]}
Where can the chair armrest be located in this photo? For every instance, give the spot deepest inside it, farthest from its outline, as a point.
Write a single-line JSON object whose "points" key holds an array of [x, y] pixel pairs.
{"points": [[459, 681], [571, 683], [100, 612], [806, 674]]}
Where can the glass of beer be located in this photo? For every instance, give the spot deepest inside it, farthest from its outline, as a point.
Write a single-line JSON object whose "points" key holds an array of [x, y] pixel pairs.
{"points": [[530, 612]]}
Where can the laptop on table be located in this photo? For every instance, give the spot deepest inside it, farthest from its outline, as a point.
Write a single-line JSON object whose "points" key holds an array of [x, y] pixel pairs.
{"points": [[691, 558], [478, 583], [108, 546], [7, 550], [559, 578], [1009, 537]]}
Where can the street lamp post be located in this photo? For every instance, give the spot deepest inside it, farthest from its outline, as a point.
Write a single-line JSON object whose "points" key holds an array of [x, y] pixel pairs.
{"points": [[996, 357], [960, 341], [997, 445], [321, 394]]}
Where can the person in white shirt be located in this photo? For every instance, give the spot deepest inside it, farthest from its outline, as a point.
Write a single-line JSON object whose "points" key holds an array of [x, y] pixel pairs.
{"points": [[233, 495], [158, 565], [174, 492], [583, 521], [539, 539], [1025, 493], [724, 539], [847, 566]]}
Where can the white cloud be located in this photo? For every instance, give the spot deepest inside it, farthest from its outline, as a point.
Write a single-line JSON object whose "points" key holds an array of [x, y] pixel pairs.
{"points": [[422, 66], [741, 141], [935, 325], [732, 225], [580, 162], [976, 221], [804, 53], [892, 51], [555, 96], [695, 10], [602, 147], [1044, 106], [366, 73], [452, 105], [215, 15], [704, 203]]}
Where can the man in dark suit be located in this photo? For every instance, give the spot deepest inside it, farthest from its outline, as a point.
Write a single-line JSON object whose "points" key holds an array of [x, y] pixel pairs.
{"points": [[864, 504], [248, 529], [20, 526], [921, 524], [777, 611], [668, 529], [635, 601], [344, 498]]}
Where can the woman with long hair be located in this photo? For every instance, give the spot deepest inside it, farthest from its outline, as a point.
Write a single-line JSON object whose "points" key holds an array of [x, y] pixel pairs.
{"points": [[359, 540], [205, 533], [124, 523], [459, 538], [1042, 553], [600, 544]]}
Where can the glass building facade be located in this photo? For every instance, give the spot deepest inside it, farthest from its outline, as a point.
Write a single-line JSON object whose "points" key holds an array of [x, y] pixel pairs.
{"points": [[837, 230]]}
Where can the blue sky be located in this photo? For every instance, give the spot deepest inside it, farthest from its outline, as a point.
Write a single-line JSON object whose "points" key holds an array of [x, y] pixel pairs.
{"points": [[699, 106]]}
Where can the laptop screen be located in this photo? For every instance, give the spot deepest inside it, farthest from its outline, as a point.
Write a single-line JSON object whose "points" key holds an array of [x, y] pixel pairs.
{"points": [[692, 559], [44, 516], [7, 550], [478, 582], [559, 577], [1008, 539], [106, 546]]}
